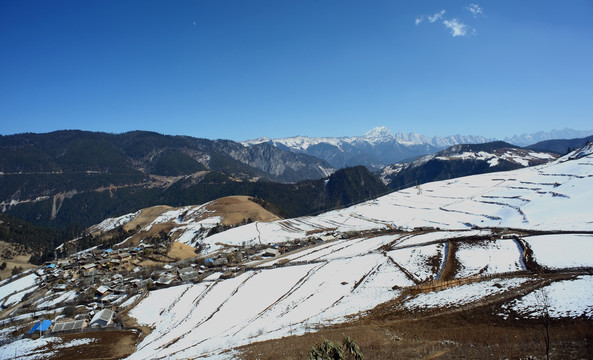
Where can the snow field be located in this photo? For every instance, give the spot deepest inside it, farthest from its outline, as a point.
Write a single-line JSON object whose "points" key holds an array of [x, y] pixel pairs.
{"points": [[562, 251], [55, 299], [264, 304], [567, 298], [461, 295], [17, 289], [488, 257], [416, 260], [430, 237], [114, 223]]}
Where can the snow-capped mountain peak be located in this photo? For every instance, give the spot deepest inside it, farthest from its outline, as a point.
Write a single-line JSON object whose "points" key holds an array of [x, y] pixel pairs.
{"points": [[374, 149], [378, 134]]}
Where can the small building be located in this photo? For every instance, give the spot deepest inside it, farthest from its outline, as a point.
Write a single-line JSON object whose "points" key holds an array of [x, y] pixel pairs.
{"points": [[327, 237], [269, 252], [60, 287], [102, 318], [166, 279], [102, 290], [90, 273], [125, 256], [221, 261], [88, 267], [188, 274]]}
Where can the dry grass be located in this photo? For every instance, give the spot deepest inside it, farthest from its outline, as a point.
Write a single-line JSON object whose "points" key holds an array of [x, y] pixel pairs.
{"points": [[146, 217], [469, 334], [236, 209], [16, 261], [181, 251]]}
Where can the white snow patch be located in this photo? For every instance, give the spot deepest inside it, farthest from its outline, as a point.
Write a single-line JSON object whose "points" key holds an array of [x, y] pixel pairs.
{"points": [[488, 257], [562, 251], [567, 298], [462, 294]]}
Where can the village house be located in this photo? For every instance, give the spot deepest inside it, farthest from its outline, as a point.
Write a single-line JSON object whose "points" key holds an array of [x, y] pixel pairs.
{"points": [[102, 318]]}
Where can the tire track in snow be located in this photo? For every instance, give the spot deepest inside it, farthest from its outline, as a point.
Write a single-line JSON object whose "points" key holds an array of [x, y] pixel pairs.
{"points": [[408, 274], [284, 296], [356, 285], [202, 294], [210, 316], [376, 221]]}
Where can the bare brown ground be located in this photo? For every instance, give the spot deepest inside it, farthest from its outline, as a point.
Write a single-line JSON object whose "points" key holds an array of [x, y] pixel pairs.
{"points": [[17, 261], [106, 345], [181, 251], [146, 216], [474, 333], [236, 209], [232, 209], [153, 232], [454, 336]]}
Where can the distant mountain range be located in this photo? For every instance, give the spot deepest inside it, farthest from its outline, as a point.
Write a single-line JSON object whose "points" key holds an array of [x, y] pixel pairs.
{"points": [[380, 147], [529, 139], [375, 149], [68, 178], [78, 178]]}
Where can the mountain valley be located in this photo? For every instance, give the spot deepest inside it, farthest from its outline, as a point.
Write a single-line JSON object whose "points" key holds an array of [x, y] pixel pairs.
{"points": [[422, 271]]}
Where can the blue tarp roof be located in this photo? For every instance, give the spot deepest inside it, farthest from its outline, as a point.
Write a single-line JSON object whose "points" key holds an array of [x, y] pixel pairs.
{"points": [[51, 266], [40, 326], [108, 250]]}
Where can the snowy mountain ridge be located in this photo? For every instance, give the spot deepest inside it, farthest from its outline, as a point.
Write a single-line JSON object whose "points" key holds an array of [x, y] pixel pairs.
{"points": [[529, 139], [375, 149], [373, 137]]}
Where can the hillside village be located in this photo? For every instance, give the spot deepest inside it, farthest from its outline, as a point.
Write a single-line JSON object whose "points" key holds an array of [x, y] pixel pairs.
{"points": [[476, 250], [91, 288]]}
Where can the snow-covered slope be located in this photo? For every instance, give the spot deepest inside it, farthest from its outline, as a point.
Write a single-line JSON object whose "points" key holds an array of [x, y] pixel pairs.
{"points": [[333, 281], [463, 160]]}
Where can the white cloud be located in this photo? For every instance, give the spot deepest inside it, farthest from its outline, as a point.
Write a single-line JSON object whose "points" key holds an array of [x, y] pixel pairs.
{"points": [[475, 9], [436, 16], [458, 28], [419, 20]]}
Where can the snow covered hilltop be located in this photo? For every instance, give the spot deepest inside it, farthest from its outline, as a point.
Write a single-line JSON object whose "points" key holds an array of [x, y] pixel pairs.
{"points": [[482, 249]]}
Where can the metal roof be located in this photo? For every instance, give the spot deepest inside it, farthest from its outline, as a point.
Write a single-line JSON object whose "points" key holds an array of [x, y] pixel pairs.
{"points": [[104, 315]]}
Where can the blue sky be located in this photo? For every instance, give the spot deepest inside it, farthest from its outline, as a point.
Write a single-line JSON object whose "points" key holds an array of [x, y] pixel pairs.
{"points": [[243, 69]]}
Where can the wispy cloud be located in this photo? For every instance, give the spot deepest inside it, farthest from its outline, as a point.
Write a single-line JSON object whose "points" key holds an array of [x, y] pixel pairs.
{"points": [[436, 16], [475, 9], [458, 28]]}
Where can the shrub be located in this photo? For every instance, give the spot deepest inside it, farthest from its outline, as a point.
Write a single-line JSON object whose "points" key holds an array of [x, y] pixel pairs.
{"points": [[17, 270], [328, 350]]}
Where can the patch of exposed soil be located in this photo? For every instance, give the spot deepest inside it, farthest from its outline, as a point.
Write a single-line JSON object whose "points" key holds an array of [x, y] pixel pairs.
{"points": [[181, 251], [106, 345], [236, 209], [17, 259], [146, 217]]}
